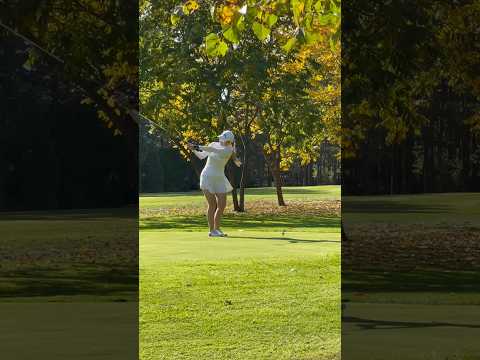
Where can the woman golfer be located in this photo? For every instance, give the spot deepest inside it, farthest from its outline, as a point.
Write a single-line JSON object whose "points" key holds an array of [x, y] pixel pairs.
{"points": [[213, 181]]}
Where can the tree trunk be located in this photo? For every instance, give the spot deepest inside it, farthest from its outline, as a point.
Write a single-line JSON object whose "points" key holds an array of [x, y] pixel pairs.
{"points": [[392, 170], [274, 164], [466, 160], [427, 158], [278, 187], [231, 176], [242, 185]]}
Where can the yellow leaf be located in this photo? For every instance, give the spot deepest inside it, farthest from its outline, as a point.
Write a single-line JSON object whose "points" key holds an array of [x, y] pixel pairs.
{"points": [[192, 5]]}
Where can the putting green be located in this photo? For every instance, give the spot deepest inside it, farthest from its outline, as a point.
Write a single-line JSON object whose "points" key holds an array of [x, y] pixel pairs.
{"points": [[159, 247]]}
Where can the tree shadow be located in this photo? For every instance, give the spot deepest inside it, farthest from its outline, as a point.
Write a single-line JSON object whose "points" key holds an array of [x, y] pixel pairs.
{"points": [[73, 281], [290, 240], [75, 215], [244, 222], [249, 191], [286, 191], [172, 194], [378, 206], [369, 324], [432, 280]]}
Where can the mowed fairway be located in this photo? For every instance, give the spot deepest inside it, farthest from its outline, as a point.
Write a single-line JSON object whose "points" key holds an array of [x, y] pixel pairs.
{"points": [[270, 290], [68, 284], [430, 311]]}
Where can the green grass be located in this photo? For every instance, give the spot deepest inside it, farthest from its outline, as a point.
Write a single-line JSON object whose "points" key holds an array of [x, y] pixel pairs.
{"points": [[69, 284], [68, 330], [425, 313], [413, 215], [429, 209], [373, 331], [271, 290], [65, 256], [195, 198]]}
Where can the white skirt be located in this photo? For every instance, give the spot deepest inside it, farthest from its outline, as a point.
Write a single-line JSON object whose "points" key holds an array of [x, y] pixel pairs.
{"points": [[215, 183]]}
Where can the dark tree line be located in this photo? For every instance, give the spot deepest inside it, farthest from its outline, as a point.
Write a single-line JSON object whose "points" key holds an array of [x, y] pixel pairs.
{"points": [[162, 168], [443, 156], [410, 98], [54, 152]]}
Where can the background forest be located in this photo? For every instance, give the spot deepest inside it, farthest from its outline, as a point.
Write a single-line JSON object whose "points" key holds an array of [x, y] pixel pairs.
{"points": [[270, 72]]}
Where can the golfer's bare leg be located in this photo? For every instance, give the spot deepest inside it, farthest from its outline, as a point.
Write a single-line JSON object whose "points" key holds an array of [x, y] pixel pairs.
{"points": [[221, 204], [212, 207]]}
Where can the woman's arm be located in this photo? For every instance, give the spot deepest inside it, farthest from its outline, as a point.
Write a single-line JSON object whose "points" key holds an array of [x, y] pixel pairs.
{"points": [[213, 150], [196, 150], [200, 154]]}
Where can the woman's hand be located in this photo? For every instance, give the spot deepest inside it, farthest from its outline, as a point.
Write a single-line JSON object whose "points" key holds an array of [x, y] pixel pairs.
{"points": [[237, 162], [192, 146]]}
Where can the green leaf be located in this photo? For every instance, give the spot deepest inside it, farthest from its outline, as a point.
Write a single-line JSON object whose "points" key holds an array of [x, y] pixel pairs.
{"points": [[211, 44], [289, 45], [318, 6], [251, 12], [215, 46], [231, 35], [333, 6], [331, 42], [222, 48], [272, 20], [310, 37], [308, 22], [260, 31], [240, 23], [174, 19], [27, 65], [308, 6], [297, 9], [324, 19]]}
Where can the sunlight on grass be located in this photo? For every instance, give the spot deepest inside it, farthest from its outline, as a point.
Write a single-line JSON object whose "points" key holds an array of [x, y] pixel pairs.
{"points": [[270, 290], [195, 198]]}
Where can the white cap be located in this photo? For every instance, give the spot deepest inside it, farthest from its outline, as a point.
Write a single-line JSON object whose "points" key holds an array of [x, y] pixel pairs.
{"points": [[227, 135]]}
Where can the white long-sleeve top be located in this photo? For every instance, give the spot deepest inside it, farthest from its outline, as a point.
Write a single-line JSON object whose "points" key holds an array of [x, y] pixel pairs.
{"points": [[218, 156]]}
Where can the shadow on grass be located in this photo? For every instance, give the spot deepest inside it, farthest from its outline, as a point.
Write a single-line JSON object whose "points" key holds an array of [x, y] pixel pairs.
{"points": [[286, 191], [68, 281], [290, 240], [75, 215], [244, 222], [171, 194], [412, 281], [251, 191], [368, 324], [376, 206]]}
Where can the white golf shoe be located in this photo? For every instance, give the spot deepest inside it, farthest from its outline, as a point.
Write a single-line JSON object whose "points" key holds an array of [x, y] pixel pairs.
{"points": [[215, 233]]}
